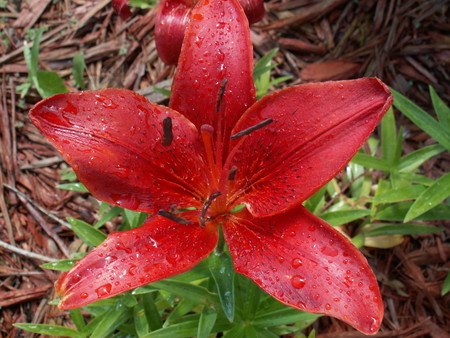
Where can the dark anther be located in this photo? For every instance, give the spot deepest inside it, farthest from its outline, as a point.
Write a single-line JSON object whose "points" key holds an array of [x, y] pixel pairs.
{"points": [[223, 84], [172, 217], [232, 173], [167, 132], [206, 205], [252, 129]]}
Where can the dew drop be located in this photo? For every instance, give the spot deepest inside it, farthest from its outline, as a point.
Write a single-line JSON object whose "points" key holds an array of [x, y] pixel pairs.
{"points": [[121, 246], [298, 282], [374, 324], [296, 262], [197, 16], [103, 290], [327, 306], [83, 295], [280, 259]]}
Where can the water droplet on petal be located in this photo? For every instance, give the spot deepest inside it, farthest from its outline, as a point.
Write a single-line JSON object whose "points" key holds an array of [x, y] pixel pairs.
{"points": [[298, 282], [296, 262], [327, 307], [103, 290], [83, 295]]}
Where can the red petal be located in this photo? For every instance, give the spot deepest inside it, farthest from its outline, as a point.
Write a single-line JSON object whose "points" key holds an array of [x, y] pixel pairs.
{"points": [[316, 130], [121, 8], [113, 140], [216, 47], [160, 248], [305, 263], [254, 9], [170, 25]]}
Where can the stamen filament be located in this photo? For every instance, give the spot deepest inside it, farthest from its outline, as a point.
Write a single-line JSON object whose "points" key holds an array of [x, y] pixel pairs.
{"points": [[252, 128], [232, 173], [207, 132], [167, 132], [206, 205], [172, 217]]}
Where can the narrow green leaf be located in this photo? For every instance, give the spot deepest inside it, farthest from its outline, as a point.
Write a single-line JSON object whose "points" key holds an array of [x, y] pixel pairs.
{"points": [[402, 229], [432, 196], [371, 162], [422, 119], [189, 291], [403, 193], [77, 318], [75, 186], [206, 323], [282, 316], [87, 233], [446, 285], [222, 270], [183, 329], [140, 320], [249, 299], [344, 216], [263, 65], [397, 212], [50, 330], [184, 306], [61, 265], [441, 109], [151, 312], [108, 216], [110, 321], [388, 137], [412, 161], [78, 67], [49, 84]]}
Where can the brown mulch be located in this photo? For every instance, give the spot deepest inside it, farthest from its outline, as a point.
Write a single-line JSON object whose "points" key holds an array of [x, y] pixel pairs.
{"points": [[405, 43]]}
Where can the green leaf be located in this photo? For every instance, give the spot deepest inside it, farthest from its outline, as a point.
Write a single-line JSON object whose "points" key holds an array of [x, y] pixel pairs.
{"points": [[446, 285], [403, 193], [402, 229], [162, 91], [49, 84], [433, 195], [134, 218], [397, 212], [61, 265], [441, 109], [140, 320], [77, 318], [422, 119], [344, 216], [184, 306], [388, 137], [222, 270], [187, 328], [371, 162], [282, 316], [75, 186], [195, 293], [108, 322], [78, 67], [151, 312], [412, 161], [264, 64], [249, 297], [208, 318], [87, 233], [113, 212], [50, 330]]}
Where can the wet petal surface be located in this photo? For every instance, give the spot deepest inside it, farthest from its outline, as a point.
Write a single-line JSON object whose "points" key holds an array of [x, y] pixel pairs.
{"points": [[316, 130], [113, 140], [305, 263], [160, 248]]}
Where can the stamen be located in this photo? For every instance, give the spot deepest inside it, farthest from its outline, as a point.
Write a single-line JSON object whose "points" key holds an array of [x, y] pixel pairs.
{"points": [[167, 132], [252, 128], [206, 205], [172, 217], [232, 173], [223, 84]]}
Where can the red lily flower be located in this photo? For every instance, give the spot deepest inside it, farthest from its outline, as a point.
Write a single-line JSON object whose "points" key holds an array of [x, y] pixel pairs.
{"points": [[172, 19], [216, 148]]}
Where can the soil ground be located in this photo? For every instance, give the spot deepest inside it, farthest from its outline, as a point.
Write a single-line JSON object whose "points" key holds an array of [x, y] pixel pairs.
{"points": [[405, 43]]}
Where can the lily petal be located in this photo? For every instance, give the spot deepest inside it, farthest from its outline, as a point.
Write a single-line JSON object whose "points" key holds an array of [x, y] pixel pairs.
{"points": [[120, 6], [316, 130], [216, 52], [113, 140], [305, 263], [160, 248], [171, 21]]}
